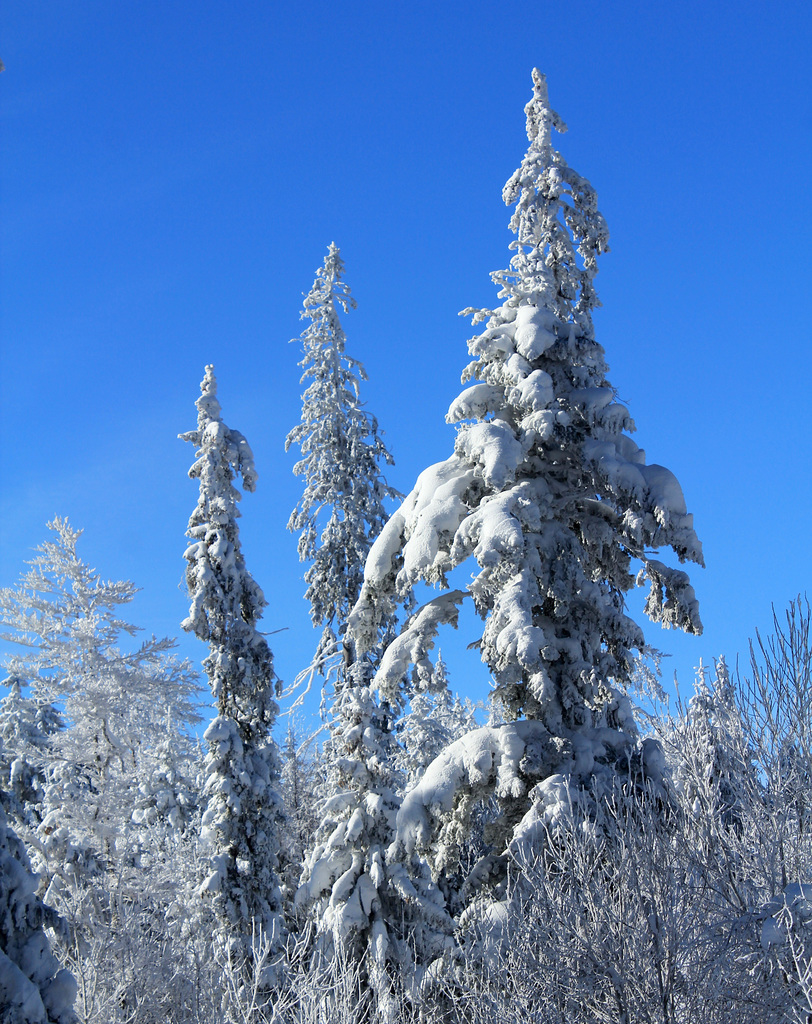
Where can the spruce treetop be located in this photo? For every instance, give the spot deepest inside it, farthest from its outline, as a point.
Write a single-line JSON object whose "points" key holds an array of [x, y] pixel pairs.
{"points": [[556, 216], [222, 590], [341, 510], [329, 291]]}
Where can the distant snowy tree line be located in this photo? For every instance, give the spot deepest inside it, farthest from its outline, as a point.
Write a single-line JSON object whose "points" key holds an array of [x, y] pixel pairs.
{"points": [[575, 859]]}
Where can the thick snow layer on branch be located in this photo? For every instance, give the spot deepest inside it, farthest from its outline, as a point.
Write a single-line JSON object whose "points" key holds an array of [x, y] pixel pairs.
{"points": [[525, 765], [664, 489], [432, 513], [475, 402], [494, 449], [412, 647], [412, 545], [386, 547], [484, 761], [790, 912]]}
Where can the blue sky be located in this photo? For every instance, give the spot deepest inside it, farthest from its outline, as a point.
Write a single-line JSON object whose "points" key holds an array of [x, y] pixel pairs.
{"points": [[173, 173]]}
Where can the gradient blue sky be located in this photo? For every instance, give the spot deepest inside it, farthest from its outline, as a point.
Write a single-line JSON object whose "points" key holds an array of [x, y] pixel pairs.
{"points": [[173, 173]]}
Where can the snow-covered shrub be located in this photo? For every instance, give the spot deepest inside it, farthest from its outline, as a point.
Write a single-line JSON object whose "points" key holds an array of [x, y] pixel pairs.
{"points": [[740, 755]]}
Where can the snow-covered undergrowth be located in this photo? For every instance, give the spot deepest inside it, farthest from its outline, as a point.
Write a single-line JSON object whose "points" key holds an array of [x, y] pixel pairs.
{"points": [[687, 902]]}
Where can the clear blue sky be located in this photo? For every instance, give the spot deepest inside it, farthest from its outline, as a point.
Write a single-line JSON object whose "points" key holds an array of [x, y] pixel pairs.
{"points": [[173, 173]]}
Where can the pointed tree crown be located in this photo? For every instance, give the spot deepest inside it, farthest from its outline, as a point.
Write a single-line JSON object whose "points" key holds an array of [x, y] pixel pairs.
{"points": [[341, 510], [223, 591], [559, 229]]}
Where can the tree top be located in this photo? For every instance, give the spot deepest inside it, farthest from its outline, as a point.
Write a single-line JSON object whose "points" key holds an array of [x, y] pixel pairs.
{"points": [[540, 115]]}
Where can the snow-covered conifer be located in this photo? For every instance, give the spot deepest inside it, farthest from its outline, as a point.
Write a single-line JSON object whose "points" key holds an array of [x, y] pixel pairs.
{"points": [[26, 730], [344, 886], [341, 511], [549, 495], [33, 988], [166, 788], [434, 720], [243, 816], [301, 784], [709, 754], [376, 912]]}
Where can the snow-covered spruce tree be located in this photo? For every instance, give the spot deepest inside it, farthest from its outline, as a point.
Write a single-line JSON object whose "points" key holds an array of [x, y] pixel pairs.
{"points": [[33, 988], [301, 782], [168, 798], [555, 503], [386, 919], [243, 817], [344, 890], [26, 730], [345, 893], [341, 511], [709, 756]]}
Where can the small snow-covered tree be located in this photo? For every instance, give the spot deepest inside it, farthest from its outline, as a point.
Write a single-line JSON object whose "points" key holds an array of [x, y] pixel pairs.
{"points": [[33, 987], [377, 912], [551, 498], [434, 720], [167, 794], [26, 730], [344, 884], [342, 508], [302, 769], [709, 755], [243, 816]]}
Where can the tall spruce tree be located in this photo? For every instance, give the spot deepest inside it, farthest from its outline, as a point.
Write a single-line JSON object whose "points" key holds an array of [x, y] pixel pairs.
{"points": [[243, 816], [345, 888], [554, 502]]}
